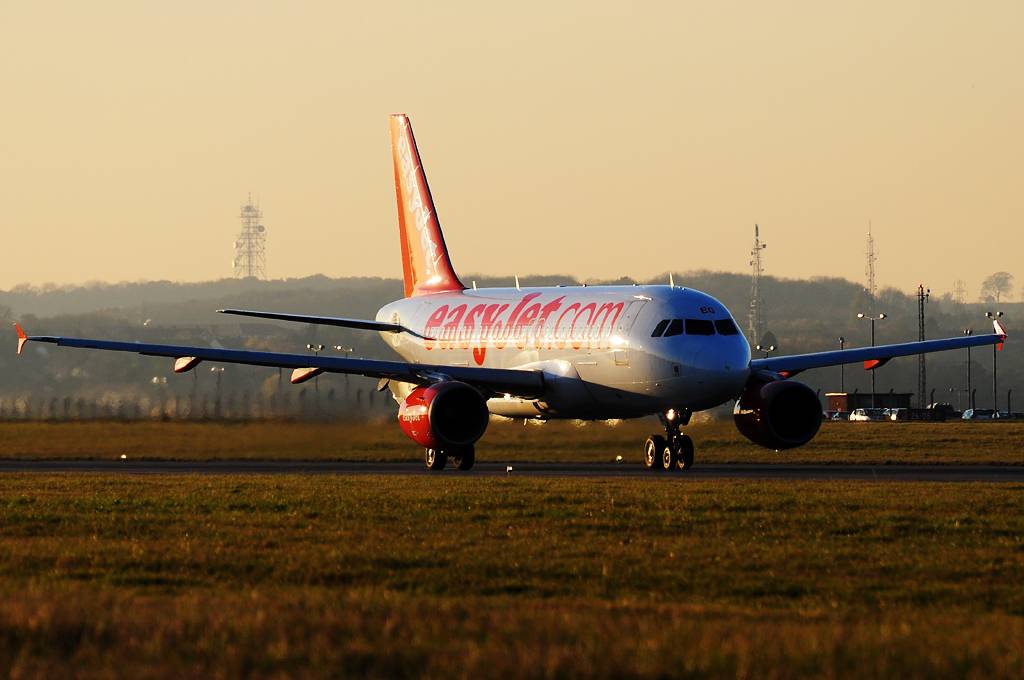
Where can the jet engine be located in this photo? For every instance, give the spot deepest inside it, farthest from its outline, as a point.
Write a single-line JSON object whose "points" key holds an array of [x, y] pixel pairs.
{"points": [[444, 416], [777, 414]]}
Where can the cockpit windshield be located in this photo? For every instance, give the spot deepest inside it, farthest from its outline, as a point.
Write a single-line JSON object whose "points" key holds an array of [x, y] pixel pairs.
{"points": [[667, 328]]}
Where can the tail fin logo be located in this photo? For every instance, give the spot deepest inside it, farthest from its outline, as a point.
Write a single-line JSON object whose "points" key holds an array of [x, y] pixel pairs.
{"points": [[425, 262]]}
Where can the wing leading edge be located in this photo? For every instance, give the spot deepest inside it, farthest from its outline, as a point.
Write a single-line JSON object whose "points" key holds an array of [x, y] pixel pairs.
{"points": [[874, 357], [520, 383]]}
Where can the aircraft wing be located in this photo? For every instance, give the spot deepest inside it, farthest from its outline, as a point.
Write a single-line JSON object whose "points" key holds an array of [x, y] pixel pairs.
{"points": [[874, 357], [362, 324], [520, 383]]}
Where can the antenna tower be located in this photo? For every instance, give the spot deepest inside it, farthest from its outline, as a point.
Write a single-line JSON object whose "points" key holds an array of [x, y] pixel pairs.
{"points": [[756, 317], [869, 270], [251, 245]]}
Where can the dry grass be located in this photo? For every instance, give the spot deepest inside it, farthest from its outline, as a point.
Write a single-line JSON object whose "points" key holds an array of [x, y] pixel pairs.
{"points": [[469, 577], [513, 441]]}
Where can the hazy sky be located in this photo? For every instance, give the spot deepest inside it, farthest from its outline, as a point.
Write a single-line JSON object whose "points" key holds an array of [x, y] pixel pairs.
{"points": [[591, 139]]}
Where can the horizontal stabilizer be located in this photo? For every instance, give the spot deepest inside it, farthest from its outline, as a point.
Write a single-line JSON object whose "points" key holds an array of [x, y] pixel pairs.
{"points": [[361, 324]]}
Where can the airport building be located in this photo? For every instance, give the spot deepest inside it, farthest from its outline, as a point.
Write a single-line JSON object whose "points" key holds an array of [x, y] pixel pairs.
{"points": [[849, 401]]}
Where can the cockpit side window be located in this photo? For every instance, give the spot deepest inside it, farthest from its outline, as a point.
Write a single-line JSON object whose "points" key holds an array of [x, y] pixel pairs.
{"points": [[700, 327], [660, 328], [726, 327], [675, 327]]}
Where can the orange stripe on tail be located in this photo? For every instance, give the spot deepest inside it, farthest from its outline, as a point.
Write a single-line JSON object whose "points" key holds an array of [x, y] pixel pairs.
{"points": [[426, 266]]}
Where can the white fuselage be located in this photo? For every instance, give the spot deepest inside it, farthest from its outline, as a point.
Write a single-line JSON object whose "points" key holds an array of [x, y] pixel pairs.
{"points": [[594, 345]]}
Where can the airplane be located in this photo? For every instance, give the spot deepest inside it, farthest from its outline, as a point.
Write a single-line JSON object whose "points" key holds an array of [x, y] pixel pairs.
{"points": [[579, 352]]}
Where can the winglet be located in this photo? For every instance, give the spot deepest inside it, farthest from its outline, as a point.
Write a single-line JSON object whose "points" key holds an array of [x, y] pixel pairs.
{"points": [[22, 338], [1000, 331]]}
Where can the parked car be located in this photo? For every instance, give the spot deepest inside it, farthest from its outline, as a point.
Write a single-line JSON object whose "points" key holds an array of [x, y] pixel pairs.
{"points": [[899, 414], [866, 414], [979, 414], [841, 415], [946, 409]]}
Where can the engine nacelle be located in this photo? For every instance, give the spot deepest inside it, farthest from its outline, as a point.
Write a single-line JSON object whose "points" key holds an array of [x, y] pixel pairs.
{"points": [[777, 414], [444, 415]]}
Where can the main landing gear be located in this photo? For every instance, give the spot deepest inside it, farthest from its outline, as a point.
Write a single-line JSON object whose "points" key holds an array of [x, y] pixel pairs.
{"points": [[462, 458], [673, 451]]}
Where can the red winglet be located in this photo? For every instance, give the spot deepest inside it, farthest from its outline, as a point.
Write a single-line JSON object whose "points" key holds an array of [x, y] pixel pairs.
{"points": [[872, 364], [1001, 332], [22, 338]]}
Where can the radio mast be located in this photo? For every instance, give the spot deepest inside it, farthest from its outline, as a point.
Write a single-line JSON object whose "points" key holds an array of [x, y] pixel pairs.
{"points": [[756, 316], [869, 270], [251, 245]]}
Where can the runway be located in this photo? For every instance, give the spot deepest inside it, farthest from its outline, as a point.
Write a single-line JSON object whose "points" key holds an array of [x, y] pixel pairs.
{"points": [[888, 473]]}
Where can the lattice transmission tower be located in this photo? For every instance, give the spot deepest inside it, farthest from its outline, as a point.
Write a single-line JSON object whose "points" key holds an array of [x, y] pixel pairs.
{"points": [[251, 245], [756, 318], [959, 292]]}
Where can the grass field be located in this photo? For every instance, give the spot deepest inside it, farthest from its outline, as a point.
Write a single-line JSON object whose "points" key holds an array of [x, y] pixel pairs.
{"points": [[877, 443], [268, 576]]}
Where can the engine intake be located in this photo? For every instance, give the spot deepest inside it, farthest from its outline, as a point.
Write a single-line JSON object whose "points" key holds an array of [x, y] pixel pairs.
{"points": [[444, 415], [777, 414]]}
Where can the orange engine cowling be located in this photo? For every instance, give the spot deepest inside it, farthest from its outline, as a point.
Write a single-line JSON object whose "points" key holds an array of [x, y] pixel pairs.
{"points": [[444, 415], [777, 414]]}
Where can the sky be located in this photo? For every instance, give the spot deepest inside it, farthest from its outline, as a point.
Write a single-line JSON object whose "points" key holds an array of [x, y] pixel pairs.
{"points": [[585, 138]]}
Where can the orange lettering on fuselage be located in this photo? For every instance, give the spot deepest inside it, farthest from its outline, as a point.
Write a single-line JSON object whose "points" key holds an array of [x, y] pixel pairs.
{"points": [[529, 325]]}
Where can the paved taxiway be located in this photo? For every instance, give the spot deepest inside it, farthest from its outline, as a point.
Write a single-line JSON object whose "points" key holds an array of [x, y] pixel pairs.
{"points": [[892, 473]]}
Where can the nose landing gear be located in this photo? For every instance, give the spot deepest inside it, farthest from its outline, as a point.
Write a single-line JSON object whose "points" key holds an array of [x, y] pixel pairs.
{"points": [[675, 450]]}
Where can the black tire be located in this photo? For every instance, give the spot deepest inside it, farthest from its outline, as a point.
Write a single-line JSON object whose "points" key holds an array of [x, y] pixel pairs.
{"points": [[668, 457], [684, 452], [435, 459], [652, 451], [464, 459]]}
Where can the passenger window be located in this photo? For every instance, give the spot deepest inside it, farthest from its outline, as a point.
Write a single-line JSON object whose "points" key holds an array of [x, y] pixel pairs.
{"points": [[700, 327], [726, 327], [660, 328], [675, 327]]}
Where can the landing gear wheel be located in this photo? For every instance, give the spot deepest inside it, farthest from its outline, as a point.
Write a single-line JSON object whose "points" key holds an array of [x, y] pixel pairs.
{"points": [[464, 458], [435, 459], [684, 452], [668, 456], [652, 451]]}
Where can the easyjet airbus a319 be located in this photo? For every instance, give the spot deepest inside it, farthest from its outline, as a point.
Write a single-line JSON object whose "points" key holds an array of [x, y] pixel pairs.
{"points": [[587, 352]]}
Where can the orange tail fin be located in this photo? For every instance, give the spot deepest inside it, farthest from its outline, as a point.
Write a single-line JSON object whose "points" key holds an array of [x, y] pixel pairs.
{"points": [[425, 262]]}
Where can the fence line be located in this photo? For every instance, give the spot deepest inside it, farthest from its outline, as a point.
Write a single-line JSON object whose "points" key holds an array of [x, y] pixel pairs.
{"points": [[307, 404]]}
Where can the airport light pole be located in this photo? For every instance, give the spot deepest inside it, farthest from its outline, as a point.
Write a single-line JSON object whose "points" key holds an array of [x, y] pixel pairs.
{"points": [[316, 349], [842, 367], [970, 395], [872, 318], [995, 349], [218, 371], [348, 353]]}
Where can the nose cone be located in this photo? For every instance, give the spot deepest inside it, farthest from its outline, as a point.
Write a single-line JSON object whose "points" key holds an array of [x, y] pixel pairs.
{"points": [[722, 372]]}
